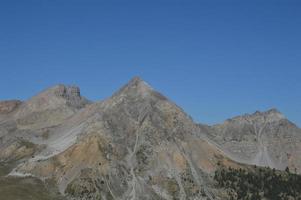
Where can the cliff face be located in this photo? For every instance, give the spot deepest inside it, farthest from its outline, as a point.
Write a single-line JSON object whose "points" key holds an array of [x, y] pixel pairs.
{"points": [[135, 145]]}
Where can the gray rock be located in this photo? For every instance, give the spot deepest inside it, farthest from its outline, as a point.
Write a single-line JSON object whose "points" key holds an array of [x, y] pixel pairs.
{"points": [[136, 145], [263, 138]]}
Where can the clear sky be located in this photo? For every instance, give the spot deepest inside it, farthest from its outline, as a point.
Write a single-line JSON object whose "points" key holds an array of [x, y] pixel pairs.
{"points": [[214, 59]]}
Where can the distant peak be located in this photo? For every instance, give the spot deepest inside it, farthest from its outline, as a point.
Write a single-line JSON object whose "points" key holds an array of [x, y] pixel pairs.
{"points": [[54, 97], [273, 112], [270, 115], [60, 91]]}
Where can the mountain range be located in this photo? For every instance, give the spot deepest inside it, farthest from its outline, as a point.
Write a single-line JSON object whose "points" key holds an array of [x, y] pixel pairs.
{"points": [[137, 144]]}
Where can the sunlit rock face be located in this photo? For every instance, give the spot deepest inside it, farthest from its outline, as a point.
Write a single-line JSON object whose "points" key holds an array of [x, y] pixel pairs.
{"points": [[137, 144]]}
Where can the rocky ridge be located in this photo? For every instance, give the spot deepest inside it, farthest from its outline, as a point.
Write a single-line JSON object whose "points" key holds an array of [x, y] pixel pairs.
{"points": [[262, 138], [136, 144]]}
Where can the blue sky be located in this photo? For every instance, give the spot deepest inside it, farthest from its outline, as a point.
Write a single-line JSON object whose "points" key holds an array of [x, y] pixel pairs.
{"points": [[214, 59]]}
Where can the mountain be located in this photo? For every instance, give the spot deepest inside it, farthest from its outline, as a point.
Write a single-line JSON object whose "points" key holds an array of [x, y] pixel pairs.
{"points": [[137, 144], [24, 124], [262, 138], [50, 107]]}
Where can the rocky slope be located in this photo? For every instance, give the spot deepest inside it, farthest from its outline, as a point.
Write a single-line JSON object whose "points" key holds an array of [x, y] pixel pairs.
{"points": [[8, 106], [136, 144], [24, 124], [50, 108], [263, 138]]}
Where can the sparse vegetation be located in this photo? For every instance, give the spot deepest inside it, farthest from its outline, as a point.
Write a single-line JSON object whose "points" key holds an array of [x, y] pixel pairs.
{"points": [[5, 168], [12, 188], [259, 183]]}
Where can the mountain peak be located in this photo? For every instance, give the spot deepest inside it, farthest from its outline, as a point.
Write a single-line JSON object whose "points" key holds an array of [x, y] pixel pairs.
{"points": [[136, 86], [272, 114], [138, 82], [61, 90], [273, 111], [136, 79], [53, 98], [65, 91], [70, 93]]}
